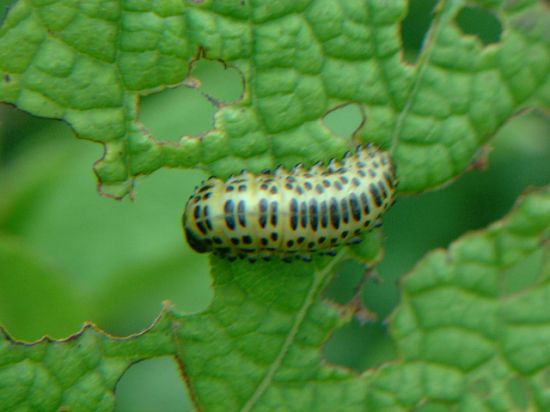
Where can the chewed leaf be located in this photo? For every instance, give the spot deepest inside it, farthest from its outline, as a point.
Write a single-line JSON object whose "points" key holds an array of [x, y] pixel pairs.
{"points": [[470, 333], [89, 66], [258, 345], [464, 335], [79, 373]]}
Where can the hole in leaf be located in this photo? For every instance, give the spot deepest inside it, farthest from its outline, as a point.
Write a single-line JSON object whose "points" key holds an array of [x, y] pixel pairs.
{"points": [[152, 385], [189, 109], [175, 113], [223, 83], [360, 346], [344, 120], [481, 23], [382, 295], [342, 287], [415, 26], [523, 274], [519, 393]]}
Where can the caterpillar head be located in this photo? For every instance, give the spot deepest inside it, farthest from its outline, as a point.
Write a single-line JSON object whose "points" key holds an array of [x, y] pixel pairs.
{"points": [[196, 242]]}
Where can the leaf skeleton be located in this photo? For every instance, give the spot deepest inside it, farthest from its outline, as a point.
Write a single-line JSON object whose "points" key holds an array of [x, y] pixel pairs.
{"points": [[292, 214]]}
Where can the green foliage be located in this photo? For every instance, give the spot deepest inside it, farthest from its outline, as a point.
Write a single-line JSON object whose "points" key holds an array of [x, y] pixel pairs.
{"points": [[472, 324], [465, 334], [298, 60], [469, 323], [78, 373]]}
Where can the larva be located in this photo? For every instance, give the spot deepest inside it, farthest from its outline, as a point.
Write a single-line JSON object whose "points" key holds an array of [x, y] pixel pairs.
{"points": [[291, 214]]}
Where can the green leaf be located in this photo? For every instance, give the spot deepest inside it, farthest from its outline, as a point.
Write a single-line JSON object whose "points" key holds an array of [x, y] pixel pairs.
{"points": [[78, 373], [466, 336], [88, 64], [257, 346], [470, 332]]}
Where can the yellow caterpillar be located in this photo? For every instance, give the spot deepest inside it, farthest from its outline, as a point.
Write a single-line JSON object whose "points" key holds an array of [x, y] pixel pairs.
{"points": [[291, 214]]}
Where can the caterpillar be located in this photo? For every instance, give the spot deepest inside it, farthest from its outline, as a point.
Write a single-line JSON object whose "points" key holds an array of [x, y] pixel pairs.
{"points": [[291, 214]]}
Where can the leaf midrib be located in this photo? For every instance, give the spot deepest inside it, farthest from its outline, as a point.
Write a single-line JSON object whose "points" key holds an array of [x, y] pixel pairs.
{"points": [[319, 281]]}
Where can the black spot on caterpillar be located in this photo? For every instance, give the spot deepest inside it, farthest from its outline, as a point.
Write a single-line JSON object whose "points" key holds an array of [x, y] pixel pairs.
{"points": [[291, 214]]}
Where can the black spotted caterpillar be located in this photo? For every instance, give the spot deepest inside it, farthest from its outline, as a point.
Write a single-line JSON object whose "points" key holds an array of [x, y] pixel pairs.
{"points": [[291, 214]]}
